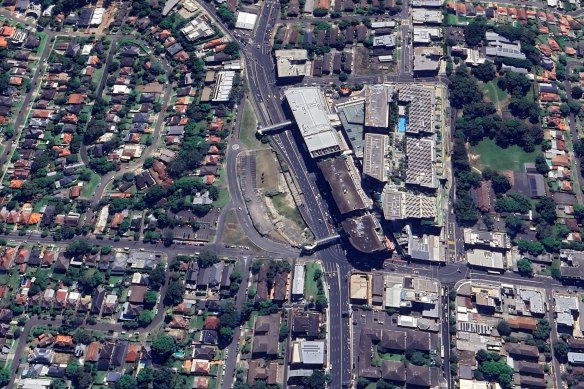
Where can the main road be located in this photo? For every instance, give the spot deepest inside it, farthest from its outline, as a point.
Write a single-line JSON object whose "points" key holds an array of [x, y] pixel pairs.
{"points": [[265, 98]]}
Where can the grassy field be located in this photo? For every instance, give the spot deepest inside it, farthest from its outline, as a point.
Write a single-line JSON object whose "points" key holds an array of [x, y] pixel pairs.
{"points": [[232, 232], [247, 128], [89, 187], [494, 93], [287, 211], [267, 170], [310, 289], [221, 184], [488, 154]]}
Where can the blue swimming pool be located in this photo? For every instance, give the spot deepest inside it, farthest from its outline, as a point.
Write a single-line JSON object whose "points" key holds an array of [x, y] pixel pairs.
{"points": [[401, 124]]}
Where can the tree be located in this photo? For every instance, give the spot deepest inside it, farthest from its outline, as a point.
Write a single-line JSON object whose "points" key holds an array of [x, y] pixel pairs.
{"points": [[541, 165], [383, 384], [126, 382], [561, 351], [564, 109], [4, 377], [513, 203], [533, 248], [466, 180], [500, 184], [77, 248], [463, 88], [515, 83], [163, 378], [577, 92], [417, 358], [498, 371], [154, 194], [465, 209], [524, 107], [362, 382], [145, 317], [232, 49], [144, 378], [317, 380], [55, 384], [320, 12], [503, 328], [174, 293], [343, 77], [474, 32], [320, 302], [283, 331], [513, 224], [542, 330], [546, 208], [162, 347], [484, 72], [150, 298], [207, 259], [71, 369], [90, 279], [81, 336], [524, 267], [168, 237], [157, 276]]}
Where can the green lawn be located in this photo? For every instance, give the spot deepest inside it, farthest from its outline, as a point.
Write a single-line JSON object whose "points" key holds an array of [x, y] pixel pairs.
{"points": [[391, 357], [222, 198], [310, 288], [247, 128], [450, 20], [113, 280], [499, 159], [89, 187], [196, 322], [494, 93], [286, 211], [250, 322]]}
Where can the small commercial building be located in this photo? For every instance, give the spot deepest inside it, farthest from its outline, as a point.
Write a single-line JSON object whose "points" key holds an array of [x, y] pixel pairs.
{"points": [[485, 259], [292, 63], [246, 20]]}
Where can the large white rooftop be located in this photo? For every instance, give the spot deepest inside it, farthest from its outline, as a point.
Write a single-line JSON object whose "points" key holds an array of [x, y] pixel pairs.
{"points": [[311, 116]]}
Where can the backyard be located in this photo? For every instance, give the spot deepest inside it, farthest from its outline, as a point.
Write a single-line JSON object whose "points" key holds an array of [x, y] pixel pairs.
{"points": [[487, 154]]}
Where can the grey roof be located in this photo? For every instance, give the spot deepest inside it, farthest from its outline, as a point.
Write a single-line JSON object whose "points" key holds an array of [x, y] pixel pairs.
{"points": [[352, 118], [377, 106], [375, 156], [312, 352]]}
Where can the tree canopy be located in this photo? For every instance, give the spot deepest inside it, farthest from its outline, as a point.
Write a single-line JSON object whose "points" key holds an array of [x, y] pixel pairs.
{"points": [[524, 267], [162, 347], [474, 32]]}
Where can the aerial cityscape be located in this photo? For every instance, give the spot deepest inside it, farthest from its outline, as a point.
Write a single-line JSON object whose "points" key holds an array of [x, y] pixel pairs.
{"points": [[252, 194]]}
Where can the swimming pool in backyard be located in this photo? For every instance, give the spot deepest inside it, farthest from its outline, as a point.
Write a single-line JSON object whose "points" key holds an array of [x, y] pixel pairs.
{"points": [[401, 124]]}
